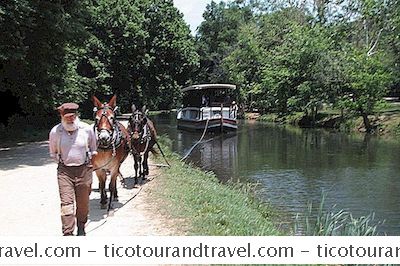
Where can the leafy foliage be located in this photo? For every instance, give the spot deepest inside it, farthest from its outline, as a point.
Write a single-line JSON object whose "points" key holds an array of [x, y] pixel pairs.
{"points": [[33, 49], [61, 51], [297, 56], [217, 36], [141, 50], [284, 56]]}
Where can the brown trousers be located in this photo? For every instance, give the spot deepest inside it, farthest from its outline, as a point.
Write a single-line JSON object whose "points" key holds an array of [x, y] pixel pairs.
{"points": [[75, 185]]}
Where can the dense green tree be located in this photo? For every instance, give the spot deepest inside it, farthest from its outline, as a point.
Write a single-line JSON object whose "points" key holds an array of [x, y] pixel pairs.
{"points": [[61, 51], [298, 55], [171, 58], [282, 59], [393, 40], [367, 64], [33, 49], [141, 50], [320, 72], [368, 80], [116, 49], [284, 69], [217, 37], [243, 65], [285, 56]]}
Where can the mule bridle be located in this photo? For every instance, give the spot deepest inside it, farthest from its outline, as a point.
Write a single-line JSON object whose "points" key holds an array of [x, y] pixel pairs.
{"points": [[115, 131], [143, 136], [103, 114], [135, 120]]}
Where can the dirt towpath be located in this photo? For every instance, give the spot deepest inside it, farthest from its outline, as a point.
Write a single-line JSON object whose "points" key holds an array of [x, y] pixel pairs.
{"points": [[30, 203]]}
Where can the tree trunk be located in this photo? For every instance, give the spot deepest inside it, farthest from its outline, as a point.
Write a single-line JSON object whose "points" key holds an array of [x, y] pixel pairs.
{"points": [[315, 113], [367, 124]]}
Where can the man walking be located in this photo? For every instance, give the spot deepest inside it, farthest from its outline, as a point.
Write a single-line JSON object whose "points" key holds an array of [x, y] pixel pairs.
{"points": [[72, 144]]}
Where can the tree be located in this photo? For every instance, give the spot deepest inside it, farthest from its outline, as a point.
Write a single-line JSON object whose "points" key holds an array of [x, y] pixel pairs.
{"points": [[243, 64], [368, 80], [33, 50], [143, 51], [286, 60], [170, 54], [392, 36], [116, 50], [320, 72], [367, 67], [217, 37]]}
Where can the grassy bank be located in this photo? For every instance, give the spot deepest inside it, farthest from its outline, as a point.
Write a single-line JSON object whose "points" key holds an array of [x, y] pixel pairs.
{"points": [[386, 122], [207, 206], [204, 206]]}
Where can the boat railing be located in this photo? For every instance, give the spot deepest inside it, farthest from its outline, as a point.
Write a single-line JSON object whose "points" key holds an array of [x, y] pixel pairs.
{"points": [[217, 112], [204, 113]]}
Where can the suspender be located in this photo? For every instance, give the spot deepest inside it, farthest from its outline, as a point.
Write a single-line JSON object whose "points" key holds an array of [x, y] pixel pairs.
{"points": [[59, 134], [60, 129]]}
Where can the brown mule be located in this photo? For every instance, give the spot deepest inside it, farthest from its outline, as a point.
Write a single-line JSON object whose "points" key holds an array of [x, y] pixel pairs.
{"points": [[112, 147], [143, 137]]}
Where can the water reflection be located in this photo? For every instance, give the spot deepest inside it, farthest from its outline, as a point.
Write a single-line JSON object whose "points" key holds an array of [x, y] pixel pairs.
{"points": [[295, 166], [219, 155]]}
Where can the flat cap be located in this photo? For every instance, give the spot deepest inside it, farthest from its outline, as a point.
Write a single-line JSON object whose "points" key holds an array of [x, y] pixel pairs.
{"points": [[68, 108]]}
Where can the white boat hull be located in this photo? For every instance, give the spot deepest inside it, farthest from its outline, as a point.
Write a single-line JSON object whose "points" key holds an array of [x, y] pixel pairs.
{"points": [[214, 118], [216, 124]]}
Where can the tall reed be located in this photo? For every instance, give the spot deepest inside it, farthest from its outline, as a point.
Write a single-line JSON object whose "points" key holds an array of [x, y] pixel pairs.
{"points": [[334, 222]]}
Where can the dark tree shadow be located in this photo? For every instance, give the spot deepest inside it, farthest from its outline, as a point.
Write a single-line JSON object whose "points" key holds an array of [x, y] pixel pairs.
{"points": [[31, 154]]}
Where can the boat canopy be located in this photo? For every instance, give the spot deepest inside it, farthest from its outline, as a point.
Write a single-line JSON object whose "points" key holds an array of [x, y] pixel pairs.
{"points": [[209, 87]]}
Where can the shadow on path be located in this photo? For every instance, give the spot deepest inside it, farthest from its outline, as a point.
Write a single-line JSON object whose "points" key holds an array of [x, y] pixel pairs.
{"points": [[32, 154]]}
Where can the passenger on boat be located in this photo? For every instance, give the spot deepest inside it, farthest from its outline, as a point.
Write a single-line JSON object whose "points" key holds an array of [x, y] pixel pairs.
{"points": [[233, 109], [204, 101]]}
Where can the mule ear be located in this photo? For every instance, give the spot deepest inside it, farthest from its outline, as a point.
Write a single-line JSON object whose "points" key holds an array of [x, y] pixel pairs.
{"points": [[144, 110], [113, 102], [133, 107], [96, 101]]}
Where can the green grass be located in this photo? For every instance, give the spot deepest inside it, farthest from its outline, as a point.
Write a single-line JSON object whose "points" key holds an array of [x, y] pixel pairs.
{"points": [[335, 222], [294, 118], [389, 108], [209, 207], [386, 120], [269, 118]]}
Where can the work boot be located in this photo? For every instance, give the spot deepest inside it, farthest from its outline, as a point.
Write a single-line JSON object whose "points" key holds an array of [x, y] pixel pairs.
{"points": [[81, 231]]}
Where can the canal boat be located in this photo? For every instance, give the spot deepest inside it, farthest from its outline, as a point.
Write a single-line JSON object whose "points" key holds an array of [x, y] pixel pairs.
{"points": [[209, 106]]}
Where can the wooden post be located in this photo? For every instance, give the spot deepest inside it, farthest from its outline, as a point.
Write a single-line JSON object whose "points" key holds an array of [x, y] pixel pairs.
{"points": [[222, 118]]}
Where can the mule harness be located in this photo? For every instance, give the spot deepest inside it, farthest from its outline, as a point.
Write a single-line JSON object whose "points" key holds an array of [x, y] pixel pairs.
{"points": [[116, 140], [145, 138]]}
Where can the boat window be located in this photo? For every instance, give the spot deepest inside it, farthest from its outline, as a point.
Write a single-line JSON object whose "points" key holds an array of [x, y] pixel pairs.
{"points": [[192, 114], [193, 99], [216, 113], [204, 98]]}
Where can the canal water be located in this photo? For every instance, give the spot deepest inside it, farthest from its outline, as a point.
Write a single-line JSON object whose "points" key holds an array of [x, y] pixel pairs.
{"points": [[295, 166]]}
